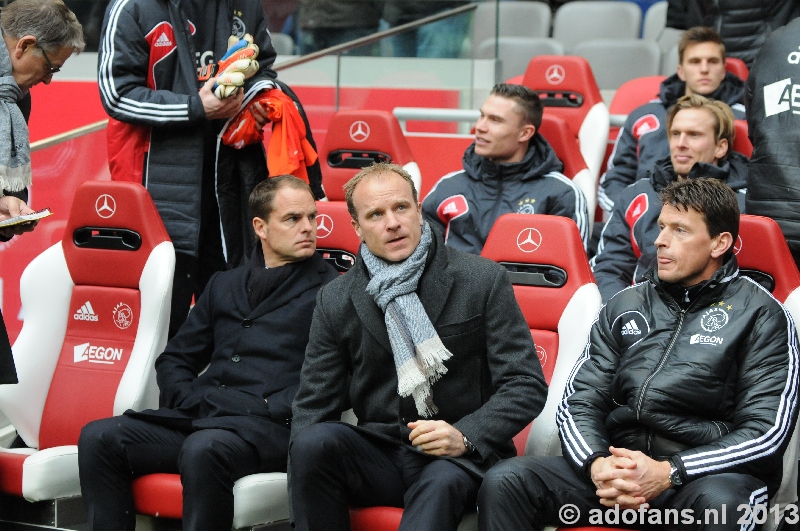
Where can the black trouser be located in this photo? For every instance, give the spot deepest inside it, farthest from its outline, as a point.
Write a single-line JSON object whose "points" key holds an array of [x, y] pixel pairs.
{"points": [[527, 493], [334, 467], [111, 452]]}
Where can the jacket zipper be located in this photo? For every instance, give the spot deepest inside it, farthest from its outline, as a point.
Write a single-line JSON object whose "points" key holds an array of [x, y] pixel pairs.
{"points": [[660, 364]]}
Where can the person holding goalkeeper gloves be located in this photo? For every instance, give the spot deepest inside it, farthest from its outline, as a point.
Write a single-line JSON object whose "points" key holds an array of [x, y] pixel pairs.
{"points": [[171, 73]]}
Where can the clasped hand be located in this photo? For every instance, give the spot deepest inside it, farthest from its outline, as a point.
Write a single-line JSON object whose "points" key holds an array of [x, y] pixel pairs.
{"points": [[629, 478]]}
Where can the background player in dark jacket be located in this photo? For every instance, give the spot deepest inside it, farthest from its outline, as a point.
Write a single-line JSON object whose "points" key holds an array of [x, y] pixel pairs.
{"points": [[773, 119], [685, 397], [249, 328], [509, 168], [643, 139], [700, 140], [165, 123]]}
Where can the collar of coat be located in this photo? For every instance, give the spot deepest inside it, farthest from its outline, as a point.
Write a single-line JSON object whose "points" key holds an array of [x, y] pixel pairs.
{"points": [[433, 290]]}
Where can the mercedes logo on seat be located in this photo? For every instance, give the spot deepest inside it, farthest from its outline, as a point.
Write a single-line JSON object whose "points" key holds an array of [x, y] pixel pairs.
{"points": [[105, 206], [555, 74], [324, 225], [359, 131], [528, 240]]}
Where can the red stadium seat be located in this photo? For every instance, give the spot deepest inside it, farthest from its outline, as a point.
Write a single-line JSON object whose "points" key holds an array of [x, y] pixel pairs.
{"points": [[629, 96], [741, 141], [737, 67], [356, 139], [337, 241], [568, 89], [558, 134], [96, 315]]}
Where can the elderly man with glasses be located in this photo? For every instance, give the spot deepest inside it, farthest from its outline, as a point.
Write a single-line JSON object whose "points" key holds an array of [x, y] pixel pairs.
{"points": [[40, 35]]}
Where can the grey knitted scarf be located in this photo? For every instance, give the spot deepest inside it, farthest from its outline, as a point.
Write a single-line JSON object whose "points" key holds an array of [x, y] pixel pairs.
{"points": [[15, 154], [419, 354]]}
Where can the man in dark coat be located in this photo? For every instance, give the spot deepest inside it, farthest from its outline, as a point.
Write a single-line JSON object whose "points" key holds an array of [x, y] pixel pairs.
{"points": [[685, 398], [248, 331], [773, 119], [643, 139], [39, 37], [442, 372], [700, 139]]}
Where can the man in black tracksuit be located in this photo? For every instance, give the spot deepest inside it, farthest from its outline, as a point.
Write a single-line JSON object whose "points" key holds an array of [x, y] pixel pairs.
{"points": [[701, 135], [685, 397], [642, 140], [509, 168], [773, 119]]}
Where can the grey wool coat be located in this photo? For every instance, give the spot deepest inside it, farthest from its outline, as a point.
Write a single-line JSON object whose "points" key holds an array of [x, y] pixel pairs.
{"points": [[493, 386]]}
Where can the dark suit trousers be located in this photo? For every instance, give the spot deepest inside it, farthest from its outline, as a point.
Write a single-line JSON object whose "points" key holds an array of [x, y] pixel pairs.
{"points": [[530, 492], [334, 466], [113, 451]]}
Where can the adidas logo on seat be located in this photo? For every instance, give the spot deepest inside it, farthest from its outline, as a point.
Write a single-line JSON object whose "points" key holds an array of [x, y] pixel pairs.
{"points": [[85, 313], [163, 40], [630, 329]]}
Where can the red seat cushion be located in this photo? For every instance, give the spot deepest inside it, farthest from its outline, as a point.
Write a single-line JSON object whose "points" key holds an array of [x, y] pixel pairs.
{"points": [[158, 495], [375, 518], [11, 472]]}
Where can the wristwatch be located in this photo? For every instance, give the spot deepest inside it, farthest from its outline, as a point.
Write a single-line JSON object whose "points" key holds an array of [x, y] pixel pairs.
{"points": [[468, 445], [675, 475]]}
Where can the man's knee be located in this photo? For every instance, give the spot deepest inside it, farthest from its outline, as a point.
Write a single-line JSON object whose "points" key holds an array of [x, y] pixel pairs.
{"points": [[446, 477], [97, 435], [500, 482], [204, 449], [725, 492], [317, 444]]}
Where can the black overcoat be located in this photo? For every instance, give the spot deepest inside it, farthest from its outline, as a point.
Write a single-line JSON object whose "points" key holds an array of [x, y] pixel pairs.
{"points": [[253, 358], [493, 386]]}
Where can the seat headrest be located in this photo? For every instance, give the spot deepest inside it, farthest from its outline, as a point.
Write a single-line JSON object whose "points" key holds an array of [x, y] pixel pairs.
{"points": [[337, 241], [560, 74], [741, 140], [356, 139], [546, 262], [111, 230], [762, 247], [561, 138], [540, 239]]}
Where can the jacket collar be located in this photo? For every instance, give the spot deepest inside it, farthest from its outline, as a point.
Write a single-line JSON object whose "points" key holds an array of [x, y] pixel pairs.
{"points": [[433, 291], [728, 171], [539, 160], [709, 292], [307, 275], [731, 90]]}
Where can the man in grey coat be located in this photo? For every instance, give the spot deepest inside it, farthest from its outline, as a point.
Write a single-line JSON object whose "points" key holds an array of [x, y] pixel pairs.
{"points": [[428, 346]]}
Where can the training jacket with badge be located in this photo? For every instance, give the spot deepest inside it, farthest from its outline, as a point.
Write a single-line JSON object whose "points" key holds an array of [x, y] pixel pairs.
{"points": [[710, 383], [148, 80], [627, 244], [465, 204], [643, 140]]}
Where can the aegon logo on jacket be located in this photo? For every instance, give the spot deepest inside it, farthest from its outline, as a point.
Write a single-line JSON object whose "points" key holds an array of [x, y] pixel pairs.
{"points": [[95, 354], [781, 96]]}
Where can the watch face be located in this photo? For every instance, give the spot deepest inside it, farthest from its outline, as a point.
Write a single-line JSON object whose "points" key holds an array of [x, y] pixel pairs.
{"points": [[675, 478]]}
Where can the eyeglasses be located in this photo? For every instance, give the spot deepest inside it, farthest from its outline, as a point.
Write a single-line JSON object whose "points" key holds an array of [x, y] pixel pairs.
{"points": [[49, 64]]}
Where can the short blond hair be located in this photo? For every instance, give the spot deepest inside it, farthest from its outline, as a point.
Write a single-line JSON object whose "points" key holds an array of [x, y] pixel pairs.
{"points": [[376, 170], [721, 111]]}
